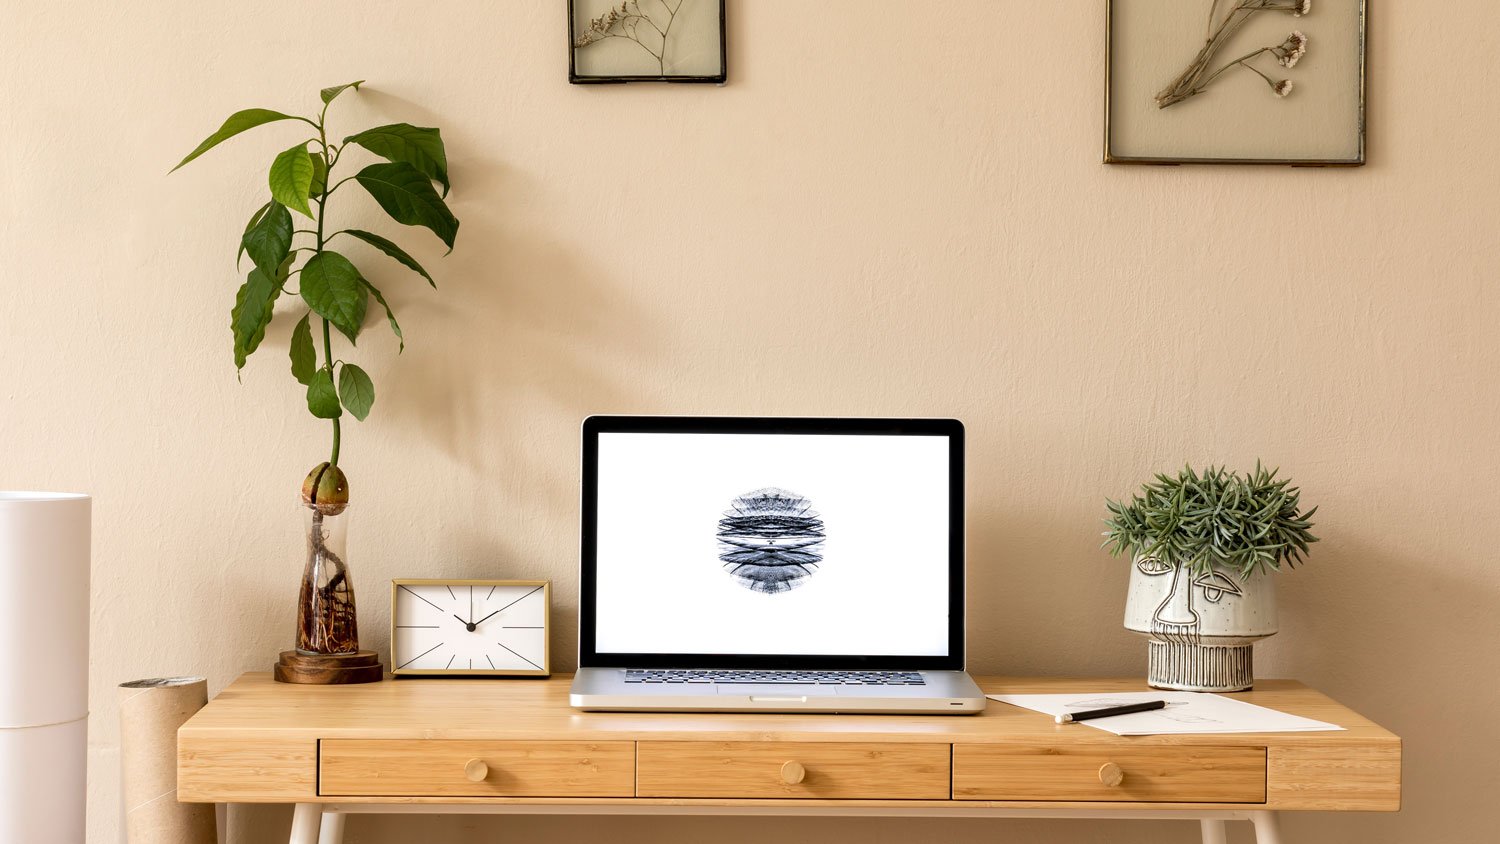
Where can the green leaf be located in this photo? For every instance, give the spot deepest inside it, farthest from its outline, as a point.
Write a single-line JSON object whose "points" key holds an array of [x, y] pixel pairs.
{"points": [[357, 390], [392, 250], [255, 218], [420, 147], [269, 241], [291, 179], [322, 400], [319, 177], [332, 288], [389, 314], [304, 355], [237, 123], [1240, 523], [408, 197], [253, 305], [329, 93]]}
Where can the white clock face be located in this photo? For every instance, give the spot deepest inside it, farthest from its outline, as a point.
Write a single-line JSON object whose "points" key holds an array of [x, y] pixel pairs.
{"points": [[470, 627]]}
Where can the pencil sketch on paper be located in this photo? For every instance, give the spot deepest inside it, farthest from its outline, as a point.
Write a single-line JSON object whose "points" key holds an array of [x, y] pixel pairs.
{"points": [[771, 540]]}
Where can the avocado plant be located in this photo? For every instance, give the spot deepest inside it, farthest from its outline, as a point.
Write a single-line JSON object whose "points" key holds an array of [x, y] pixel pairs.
{"points": [[290, 240]]}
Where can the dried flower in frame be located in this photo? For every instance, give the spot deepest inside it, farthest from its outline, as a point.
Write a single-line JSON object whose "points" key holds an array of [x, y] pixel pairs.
{"points": [[627, 21], [1222, 28], [1291, 50]]}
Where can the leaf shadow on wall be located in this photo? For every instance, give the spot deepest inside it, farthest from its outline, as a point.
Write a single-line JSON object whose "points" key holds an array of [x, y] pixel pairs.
{"points": [[521, 328]]}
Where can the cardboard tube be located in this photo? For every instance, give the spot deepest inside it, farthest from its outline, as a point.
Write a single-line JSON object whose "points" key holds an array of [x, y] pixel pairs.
{"points": [[150, 713]]}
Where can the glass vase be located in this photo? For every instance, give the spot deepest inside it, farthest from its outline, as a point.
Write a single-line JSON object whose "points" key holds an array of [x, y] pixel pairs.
{"points": [[325, 607]]}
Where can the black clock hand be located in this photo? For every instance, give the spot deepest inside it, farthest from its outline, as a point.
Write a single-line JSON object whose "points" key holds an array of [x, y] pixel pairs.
{"points": [[486, 618], [469, 625]]}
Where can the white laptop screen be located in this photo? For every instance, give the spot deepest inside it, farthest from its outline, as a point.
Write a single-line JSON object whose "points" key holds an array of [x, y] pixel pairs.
{"points": [[784, 544]]}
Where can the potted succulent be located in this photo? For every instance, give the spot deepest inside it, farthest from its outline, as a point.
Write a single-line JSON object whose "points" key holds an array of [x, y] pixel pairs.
{"points": [[331, 295], [1203, 547]]}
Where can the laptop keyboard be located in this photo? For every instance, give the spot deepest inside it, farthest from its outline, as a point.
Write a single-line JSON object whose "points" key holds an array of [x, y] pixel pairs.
{"points": [[805, 678]]}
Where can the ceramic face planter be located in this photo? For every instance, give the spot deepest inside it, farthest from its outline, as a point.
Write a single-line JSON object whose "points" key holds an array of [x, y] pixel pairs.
{"points": [[1200, 627]]}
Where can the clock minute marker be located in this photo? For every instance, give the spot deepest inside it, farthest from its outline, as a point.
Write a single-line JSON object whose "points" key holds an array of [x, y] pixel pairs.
{"points": [[422, 599], [520, 599], [439, 645], [528, 662]]}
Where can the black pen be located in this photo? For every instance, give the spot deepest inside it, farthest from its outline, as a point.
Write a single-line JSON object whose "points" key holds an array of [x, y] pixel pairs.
{"points": [[1111, 710]]}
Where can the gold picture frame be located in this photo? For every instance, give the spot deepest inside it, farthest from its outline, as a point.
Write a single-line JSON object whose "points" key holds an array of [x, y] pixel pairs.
{"points": [[1117, 151], [546, 669]]}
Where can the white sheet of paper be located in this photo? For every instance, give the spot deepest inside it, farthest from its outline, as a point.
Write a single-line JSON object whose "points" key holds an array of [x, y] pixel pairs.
{"points": [[1187, 713]]}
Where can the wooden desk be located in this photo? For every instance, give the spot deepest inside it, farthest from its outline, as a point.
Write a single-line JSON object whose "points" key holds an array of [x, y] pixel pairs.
{"points": [[516, 746]]}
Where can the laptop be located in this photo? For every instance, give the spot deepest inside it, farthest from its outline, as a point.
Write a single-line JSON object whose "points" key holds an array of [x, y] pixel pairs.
{"points": [[773, 565]]}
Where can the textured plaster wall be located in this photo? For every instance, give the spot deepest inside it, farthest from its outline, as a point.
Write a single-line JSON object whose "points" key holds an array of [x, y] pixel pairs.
{"points": [[894, 208]]}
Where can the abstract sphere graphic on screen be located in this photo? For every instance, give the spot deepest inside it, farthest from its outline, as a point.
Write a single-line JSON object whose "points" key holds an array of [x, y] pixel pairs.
{"points": [[771, 540]]}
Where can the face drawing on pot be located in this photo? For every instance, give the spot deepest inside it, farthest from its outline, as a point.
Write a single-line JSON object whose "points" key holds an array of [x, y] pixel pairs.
{"points": [[1180, 615], [770, 540]]}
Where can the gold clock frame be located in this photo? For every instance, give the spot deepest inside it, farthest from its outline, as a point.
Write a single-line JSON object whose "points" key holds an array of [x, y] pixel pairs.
{"points": [[546, 671]]}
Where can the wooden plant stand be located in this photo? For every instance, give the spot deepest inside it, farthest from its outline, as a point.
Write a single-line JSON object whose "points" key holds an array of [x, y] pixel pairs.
{"points": [[329, 670]]}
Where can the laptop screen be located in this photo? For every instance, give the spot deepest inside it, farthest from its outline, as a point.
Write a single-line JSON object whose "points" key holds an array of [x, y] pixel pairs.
{"points": [[781, 543]]}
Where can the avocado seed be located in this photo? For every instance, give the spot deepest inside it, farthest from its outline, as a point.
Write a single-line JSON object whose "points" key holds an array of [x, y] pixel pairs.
{"points": [[326, 489]]}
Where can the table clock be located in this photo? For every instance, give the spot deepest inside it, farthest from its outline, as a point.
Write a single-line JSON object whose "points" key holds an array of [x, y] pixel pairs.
{"points": [[493, 628]]}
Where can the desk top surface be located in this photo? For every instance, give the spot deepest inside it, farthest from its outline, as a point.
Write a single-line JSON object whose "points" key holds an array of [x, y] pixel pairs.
{"points": [[538, 709]]}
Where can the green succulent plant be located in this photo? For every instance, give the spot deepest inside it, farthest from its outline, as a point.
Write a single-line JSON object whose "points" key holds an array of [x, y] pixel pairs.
{"points": [[1243, 523], [336, 294]]}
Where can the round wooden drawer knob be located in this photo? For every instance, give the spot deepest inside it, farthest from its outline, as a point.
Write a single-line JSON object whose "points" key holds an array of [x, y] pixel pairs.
{"points": [[793, 773], [1111, 774], [475, 770]]}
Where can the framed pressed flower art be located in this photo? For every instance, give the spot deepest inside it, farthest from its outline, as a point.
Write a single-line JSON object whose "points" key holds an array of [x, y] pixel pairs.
{"points": [[1235, 82], [645, 41]]}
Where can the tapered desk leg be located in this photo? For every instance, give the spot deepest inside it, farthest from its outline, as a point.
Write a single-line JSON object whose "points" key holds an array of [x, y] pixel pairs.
{"points": [[333, 828], [307, 820], [1267, 829], [1213, 832]]}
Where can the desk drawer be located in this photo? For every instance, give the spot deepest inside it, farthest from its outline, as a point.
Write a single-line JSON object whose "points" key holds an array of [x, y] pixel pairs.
{"points": [[433, 768], [1137, 774], [768, 769]]}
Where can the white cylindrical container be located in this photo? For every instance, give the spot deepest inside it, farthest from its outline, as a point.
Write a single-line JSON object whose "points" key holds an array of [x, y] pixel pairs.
{"points": [[44, 619]]}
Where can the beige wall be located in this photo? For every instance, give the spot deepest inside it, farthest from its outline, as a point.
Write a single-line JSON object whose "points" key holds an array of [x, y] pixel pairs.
{"points": [[894, 208]]}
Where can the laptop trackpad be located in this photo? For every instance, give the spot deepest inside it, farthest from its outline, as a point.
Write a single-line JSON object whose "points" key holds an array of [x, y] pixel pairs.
{"points": [[791, 691]]}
